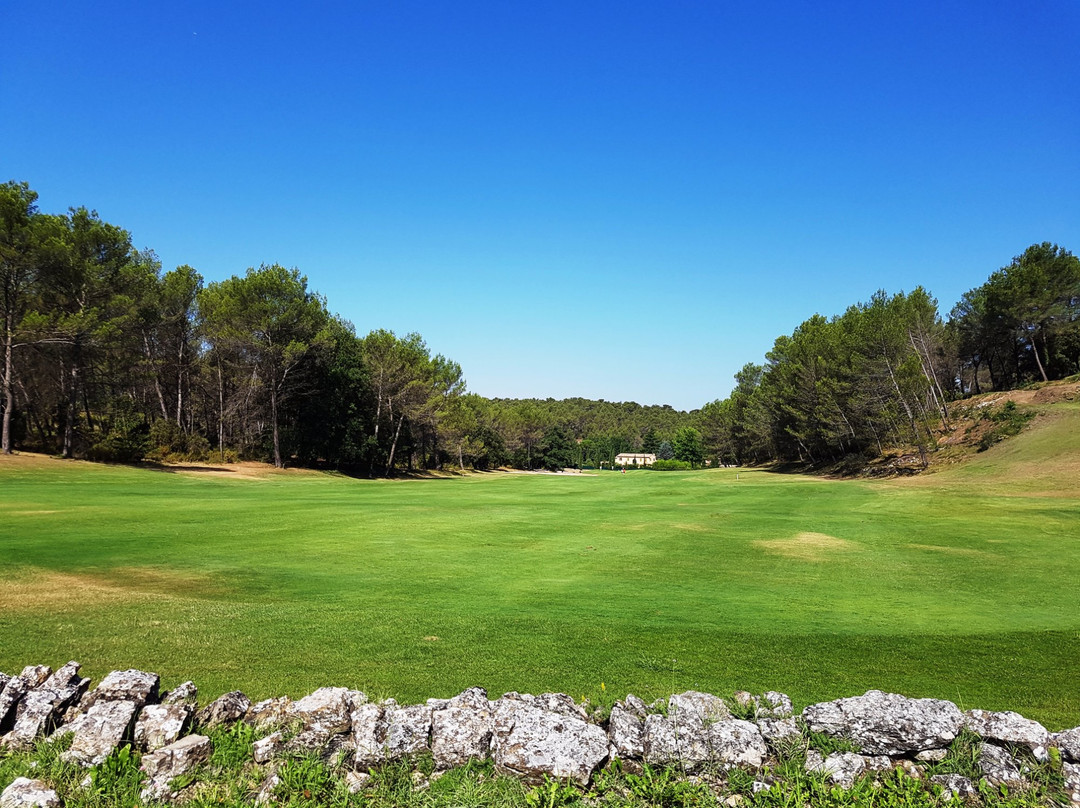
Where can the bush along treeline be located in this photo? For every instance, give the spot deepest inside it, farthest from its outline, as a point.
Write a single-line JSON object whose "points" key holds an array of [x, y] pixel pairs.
{"points": [[883, 373], [106, 356]]}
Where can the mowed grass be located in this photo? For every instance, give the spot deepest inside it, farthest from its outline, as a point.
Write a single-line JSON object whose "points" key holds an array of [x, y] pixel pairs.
{"points": [[962, 585]]}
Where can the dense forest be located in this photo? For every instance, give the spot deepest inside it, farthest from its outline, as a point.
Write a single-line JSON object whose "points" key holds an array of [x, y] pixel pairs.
{"points": [[107, 356]]}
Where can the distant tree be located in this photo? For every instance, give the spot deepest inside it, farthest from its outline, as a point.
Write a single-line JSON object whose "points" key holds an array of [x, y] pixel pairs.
{"points": [[18, 264], [270, 319], [555, 450], [650, 441], [688, 446], [665, 451]]}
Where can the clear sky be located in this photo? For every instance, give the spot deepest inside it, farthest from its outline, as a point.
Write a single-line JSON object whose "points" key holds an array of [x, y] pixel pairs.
{"points": [[617, 200]]}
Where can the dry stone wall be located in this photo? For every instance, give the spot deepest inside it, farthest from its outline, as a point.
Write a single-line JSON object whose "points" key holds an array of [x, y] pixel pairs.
{"points": [[531, 737]]}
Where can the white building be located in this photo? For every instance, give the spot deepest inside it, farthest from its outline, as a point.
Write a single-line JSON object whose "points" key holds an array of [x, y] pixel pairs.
{"points": [[634, 459]]}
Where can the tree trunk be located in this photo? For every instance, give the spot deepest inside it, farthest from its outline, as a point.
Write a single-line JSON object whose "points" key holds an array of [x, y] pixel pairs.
{"points": [[274, 418], [221, 413], [393, 446], [1038, 361], [9, 393], [180, 385]]}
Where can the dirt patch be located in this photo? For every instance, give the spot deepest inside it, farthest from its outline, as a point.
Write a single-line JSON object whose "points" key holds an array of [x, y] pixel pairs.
{"points": [[809, 546], [43, 590]]}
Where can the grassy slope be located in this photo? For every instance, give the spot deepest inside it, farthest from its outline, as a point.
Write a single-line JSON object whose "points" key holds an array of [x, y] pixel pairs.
{"points": [[960, 585]]}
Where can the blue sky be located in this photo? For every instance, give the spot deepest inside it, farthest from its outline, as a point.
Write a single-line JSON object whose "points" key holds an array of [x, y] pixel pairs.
{"points": [[613, 200]]}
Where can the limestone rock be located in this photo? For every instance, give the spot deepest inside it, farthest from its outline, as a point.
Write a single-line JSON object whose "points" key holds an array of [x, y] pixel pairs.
{"points": [[172, 761], [736, 743], [1071, 773], [357, 781], [185, 693], [408, 731], [227, 709], [932, 755], [887, 723], [558, 703], [844, 768], [132, 685], [327, 708], [532, 742], [369, 734], [998, 766], [774, 704], [461, 729], [778, 730], [954, 785], [162, 724], [24, 793], [265, 793], [11, 697], [269, 712], [107, 724], [702, 707], [667, 741], [626, 728], [1007, 727], [386, 731], [268, 748], [42, 707], [1069, 744]]}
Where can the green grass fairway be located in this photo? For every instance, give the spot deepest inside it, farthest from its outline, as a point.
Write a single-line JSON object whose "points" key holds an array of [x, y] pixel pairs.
{"points": [[962, 585]]}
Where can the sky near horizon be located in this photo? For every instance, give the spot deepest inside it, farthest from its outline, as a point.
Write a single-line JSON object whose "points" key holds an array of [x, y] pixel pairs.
{"points": [[617, 200]]}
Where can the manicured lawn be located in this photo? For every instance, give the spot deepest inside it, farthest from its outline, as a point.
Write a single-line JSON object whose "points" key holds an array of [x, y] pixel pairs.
{"points": [[960, 585]]}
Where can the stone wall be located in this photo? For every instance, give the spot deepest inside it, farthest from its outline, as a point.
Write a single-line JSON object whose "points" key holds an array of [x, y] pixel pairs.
{"points": [[527, 736]]}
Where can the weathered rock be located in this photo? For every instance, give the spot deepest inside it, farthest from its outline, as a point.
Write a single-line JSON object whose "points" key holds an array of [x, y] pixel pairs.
{"points": [[1071, 773], [692, 705], [327, 708], [532, 742], [269, 712], [268, 748], [357, 781], [42, 707], [106, 725], [408, 731], [932, 755], [11, 697], [269, 784], [461, 730], [778, 730], [887, 723], [4, 679], [667, 741], [844, 768], [24, 793], [736, 743], [369, 734], [626, 728], [322, 716], [1069, 744], [998, 766], [162, 724], [131, 685], [1007, 727], [227, 709], [185, 693], [172, 761], [386, 731], [558, 703], [774, 704], [954, 785]]}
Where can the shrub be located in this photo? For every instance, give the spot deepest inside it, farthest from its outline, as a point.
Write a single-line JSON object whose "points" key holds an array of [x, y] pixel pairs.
{"points": [[670, 465]]}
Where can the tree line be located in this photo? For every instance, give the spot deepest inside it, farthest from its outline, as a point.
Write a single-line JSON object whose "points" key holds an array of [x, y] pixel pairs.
{"points": [[108, 356], [883, 373]]}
